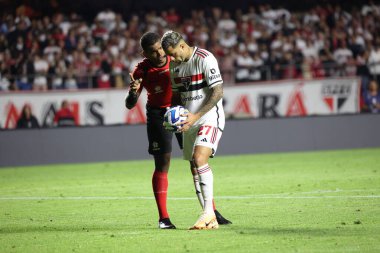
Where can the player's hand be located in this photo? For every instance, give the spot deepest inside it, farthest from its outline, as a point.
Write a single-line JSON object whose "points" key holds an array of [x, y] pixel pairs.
{"points": [[189, 122], [170, 128], [135, 84]]}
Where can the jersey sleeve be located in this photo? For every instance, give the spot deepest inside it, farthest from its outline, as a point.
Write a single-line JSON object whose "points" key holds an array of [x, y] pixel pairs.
{"points": [[212, 72]]}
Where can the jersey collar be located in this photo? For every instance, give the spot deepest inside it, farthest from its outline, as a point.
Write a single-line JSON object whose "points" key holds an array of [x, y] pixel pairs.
{"points": [[192, 55]]}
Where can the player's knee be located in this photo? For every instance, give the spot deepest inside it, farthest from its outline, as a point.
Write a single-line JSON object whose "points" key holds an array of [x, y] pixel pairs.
{"points": [[193, 169], [162, 162], [199, 159]]}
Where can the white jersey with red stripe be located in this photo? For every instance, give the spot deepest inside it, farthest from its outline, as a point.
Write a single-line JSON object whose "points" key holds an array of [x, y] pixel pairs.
{"points": [[194, 79]]}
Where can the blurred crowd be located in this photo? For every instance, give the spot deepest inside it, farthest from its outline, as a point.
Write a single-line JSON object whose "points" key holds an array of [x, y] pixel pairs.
{"points": [[260, 43]]}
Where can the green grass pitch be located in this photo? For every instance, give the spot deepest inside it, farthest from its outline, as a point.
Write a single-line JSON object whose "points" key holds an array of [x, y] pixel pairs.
{"points": [[291, 202]]}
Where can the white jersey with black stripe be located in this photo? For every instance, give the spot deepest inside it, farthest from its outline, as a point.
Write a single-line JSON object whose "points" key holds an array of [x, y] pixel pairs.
{"points": [[194, 79]]}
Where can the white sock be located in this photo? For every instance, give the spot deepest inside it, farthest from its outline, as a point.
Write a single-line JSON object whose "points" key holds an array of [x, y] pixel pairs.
{"points": [[198, 190], [206, 182]]}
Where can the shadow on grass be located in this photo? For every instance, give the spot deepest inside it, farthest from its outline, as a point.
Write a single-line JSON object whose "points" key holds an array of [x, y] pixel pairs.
{"points": [[319, 232], [151, 228], [75, 229]]}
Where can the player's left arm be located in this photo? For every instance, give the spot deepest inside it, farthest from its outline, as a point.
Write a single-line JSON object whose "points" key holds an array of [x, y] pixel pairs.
{"points": [[215, 96], [214, 81]]}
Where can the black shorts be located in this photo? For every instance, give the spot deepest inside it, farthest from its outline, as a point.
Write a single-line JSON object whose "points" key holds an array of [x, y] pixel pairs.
{"points": [[160, 140]]}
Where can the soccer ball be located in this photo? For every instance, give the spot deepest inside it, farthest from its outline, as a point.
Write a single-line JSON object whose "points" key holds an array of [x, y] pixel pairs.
{"points": [[173, 117]]}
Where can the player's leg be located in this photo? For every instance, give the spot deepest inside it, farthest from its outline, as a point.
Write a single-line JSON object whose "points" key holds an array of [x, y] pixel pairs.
{"points": [[187, 145], [219, 217], [197, 186], [199, 156], [206, 181], [206, 178], [160, 147], [160, 188], [205, 146]]}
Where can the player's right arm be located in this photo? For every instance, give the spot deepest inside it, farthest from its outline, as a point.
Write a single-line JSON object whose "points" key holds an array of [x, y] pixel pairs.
{"points": [[134, 92]]}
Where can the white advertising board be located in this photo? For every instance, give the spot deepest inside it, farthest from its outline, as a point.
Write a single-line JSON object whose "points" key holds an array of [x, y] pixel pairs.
{"points": [[267, 99]]}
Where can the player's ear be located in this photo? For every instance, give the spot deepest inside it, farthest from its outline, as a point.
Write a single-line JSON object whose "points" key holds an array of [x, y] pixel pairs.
{"points": [[182, 45]]}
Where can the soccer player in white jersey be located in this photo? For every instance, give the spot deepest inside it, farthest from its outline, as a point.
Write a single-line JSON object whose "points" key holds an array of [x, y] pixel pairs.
{"points": [[197, 85]]}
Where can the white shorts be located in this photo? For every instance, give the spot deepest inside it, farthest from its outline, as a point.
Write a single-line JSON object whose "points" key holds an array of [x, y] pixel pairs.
{"points": [[207, 135]]}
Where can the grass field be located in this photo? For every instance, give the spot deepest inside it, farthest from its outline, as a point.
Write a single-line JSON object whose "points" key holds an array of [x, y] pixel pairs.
{"points": [[296, 202]]}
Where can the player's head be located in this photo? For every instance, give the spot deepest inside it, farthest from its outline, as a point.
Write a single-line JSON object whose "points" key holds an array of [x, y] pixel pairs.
{"points": [[175, 46], [150, 42]]}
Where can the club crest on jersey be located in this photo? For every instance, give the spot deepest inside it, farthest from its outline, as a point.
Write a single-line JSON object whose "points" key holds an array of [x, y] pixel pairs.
{"points": [[158, 89], [186, 81]]}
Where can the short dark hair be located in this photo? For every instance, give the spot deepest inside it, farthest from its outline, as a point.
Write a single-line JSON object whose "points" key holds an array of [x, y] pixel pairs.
{"points": [[170, 39], [149, 39]]}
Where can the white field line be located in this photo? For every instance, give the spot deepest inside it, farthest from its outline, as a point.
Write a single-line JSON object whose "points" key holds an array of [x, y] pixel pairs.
{"points": [[188, 198], [295, 195]]}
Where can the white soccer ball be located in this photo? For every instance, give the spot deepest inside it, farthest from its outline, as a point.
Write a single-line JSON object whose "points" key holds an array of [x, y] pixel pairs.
{"points": [[173, 117]]}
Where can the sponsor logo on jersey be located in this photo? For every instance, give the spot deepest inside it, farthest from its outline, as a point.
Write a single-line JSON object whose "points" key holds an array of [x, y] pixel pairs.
{"points": [[197, 97], [213, 77]]}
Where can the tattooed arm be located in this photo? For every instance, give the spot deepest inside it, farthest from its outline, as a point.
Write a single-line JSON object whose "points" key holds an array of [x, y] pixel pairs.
{"points": [[215, 96]]}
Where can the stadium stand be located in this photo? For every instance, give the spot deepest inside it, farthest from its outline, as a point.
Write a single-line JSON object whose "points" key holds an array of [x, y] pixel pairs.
{"points": [[67, 51]]}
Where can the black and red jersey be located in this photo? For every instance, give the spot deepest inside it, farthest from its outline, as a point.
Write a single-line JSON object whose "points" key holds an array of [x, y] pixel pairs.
{"points": [[156, 81]]}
